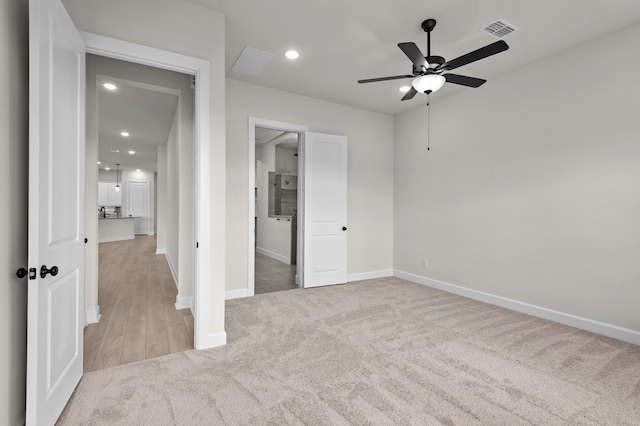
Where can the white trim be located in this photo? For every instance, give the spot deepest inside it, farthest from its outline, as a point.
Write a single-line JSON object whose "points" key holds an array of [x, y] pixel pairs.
{"points": [[251, 166], [131, 52], [215, 339], [161, 251], [92, 316], [184, 302], [112, 239], [174, 273], [274, 255], [371, 275], [236, 294], [582, 323]]}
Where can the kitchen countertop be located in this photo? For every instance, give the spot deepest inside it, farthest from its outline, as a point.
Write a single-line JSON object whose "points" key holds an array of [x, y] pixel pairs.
{"points": [[125, 217]]}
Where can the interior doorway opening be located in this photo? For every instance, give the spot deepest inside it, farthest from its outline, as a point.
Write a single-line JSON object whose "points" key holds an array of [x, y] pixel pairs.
{"points": [[277, 203], [143, 123], [198, 295], [276, 207]]}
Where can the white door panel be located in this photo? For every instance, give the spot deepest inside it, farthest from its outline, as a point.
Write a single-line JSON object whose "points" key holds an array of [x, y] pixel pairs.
{"points": [[139, 206], [55, 318], [325, 236]]}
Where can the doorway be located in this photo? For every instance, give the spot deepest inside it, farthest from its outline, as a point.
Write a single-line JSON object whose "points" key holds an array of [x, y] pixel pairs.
{"points": [[274, 264], [276, 209], [143, 125], [198, 298]]}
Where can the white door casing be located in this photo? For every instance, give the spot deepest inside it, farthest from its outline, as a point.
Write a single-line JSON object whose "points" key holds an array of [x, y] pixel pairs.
{"points": [[325, 215], [55, 318], [138, 205], [132, 52]]}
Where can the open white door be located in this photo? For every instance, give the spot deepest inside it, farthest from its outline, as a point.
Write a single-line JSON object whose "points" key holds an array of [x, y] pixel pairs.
{"points": [[55, 317], [325, 213]]}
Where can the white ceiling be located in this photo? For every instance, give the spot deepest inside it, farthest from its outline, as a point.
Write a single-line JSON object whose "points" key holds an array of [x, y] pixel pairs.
{"points": [[146, 114], [341, 41]]}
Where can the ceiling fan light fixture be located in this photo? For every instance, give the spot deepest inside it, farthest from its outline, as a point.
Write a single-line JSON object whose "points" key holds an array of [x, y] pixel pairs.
{"points": [[428, 83]]}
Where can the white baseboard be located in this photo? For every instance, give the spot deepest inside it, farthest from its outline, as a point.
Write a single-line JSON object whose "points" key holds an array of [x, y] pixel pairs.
{"points": [[587, 324], [236, 294], [92, 316], [112, 239], [370, 275], [212, 340], [184, 302], [161, 251], [273, 255], [174, 273]]}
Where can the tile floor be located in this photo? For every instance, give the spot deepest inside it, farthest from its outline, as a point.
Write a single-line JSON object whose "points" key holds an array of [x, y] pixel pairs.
{"points": [[272, 275]]}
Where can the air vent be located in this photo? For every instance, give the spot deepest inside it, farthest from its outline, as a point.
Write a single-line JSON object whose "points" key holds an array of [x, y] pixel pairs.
{"points": [[499, 29], [252, 61]]}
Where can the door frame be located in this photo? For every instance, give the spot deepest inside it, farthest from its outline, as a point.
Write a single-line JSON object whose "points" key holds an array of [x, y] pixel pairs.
{"points": [[251, 225], [136, 53]]}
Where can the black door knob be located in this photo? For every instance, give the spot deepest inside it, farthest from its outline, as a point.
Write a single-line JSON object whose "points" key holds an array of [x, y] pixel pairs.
{"points": [[44, 271], [21, 273], [344, 228]]}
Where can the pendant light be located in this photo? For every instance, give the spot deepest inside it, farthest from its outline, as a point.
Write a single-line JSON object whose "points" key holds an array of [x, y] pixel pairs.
{"points": [[118, 177]]}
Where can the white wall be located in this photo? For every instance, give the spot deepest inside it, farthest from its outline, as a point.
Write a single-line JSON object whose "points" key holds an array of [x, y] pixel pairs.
{"points": [[162, 206], [531, 188], [195, 31], [172, 189], [370, 172], [14, 142]]}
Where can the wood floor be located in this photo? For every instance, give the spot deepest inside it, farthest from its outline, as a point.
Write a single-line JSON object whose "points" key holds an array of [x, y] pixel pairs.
{"points": [[137, 295], [272, 275]]}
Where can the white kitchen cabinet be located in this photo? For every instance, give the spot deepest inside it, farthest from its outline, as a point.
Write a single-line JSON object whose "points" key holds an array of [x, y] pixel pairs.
{"points": [[107, 194]]}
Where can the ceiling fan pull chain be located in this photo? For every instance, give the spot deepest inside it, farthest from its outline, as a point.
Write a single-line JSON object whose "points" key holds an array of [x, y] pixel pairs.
{"points": [[428, 120]]}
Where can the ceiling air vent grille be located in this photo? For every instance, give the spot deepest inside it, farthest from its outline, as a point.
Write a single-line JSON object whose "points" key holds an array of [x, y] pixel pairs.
{"points": [[499, 29]]}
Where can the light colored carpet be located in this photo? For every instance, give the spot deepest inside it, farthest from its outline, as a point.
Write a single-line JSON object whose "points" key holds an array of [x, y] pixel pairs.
{"points": [[374, 352]]}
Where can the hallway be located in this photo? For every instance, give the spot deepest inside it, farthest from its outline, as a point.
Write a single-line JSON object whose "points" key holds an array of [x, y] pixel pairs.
{"points": [[137, 295]]}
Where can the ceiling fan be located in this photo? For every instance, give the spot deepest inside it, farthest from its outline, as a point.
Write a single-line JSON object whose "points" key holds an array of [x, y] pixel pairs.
{"points": [[429, 71]]}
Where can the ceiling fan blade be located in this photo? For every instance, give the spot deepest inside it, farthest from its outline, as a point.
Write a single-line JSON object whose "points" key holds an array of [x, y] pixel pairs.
{"points": [[410, 94], [411, 50], [395, 77], [476, 55], [463, 80]]}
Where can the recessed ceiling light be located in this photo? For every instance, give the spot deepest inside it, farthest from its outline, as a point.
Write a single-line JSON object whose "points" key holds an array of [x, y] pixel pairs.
{"points": [[99, 162], [107, 168], [404, 89], [132, 152], [137, 170], [109, 86], [291, 54], [124, 134]]}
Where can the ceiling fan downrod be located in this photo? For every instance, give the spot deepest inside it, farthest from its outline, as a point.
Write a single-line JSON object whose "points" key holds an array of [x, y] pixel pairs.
{"points": [[428, 26]]}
